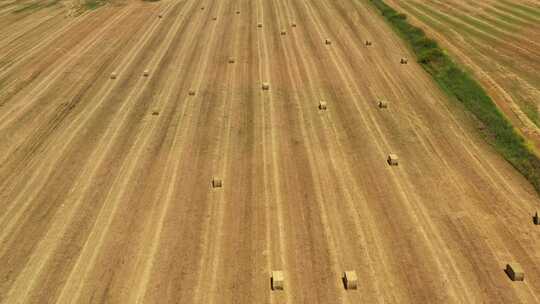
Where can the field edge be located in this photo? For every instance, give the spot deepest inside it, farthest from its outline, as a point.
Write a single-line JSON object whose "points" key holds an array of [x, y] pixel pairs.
{"points": [[458, 84]]}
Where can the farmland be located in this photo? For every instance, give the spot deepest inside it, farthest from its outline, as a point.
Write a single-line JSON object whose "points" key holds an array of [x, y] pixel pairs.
{"points": [[499, 41], [116, 124]]}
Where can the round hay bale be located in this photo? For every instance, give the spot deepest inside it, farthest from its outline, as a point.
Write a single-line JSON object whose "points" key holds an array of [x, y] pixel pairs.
{"points": [[259, 25], [146, 73], [113, 75], [404, 60], [191, 93], [266, 86], [283, 33], [328, 41], [232, 60]]}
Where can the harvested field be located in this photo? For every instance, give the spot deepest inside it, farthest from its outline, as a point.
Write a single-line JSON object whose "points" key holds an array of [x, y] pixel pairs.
{"points": [[103, 202], [499, 41]]}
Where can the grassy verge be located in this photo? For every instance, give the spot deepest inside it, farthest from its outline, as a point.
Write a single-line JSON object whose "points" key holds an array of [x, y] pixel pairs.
{"points": [[459, 84]]}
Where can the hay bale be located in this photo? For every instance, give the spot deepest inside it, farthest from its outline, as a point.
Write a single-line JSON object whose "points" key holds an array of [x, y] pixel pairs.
{"points": [[404, 61], [293, 24], [160, 16], [266, 86], [259, 25], [536, 219], [238, 12], [191, 92], [322, 105], [392, 159], [231, 60], [328, 41], [368, 43], [113, 75], [283, 33], [155, 113], [350, 280], [202, 8], [514, 271], [383, 104], [276, 280], [216, 183], [146, 73], [214, 18]]}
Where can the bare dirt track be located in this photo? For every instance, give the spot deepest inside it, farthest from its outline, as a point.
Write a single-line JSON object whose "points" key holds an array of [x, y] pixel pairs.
{"points": [[103, 202]]}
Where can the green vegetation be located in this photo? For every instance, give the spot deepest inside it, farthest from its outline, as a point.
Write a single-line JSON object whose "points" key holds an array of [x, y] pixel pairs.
{"points": [[531, 111], [477, 49], [93, 4], [459, 84]]}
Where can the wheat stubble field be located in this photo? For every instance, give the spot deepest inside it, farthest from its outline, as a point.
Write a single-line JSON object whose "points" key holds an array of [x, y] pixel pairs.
{"points": [[105, 184], [499, 41]]}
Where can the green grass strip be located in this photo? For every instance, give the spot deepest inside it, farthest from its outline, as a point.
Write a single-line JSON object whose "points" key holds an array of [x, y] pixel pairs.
{"points": [[459, 84]]}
